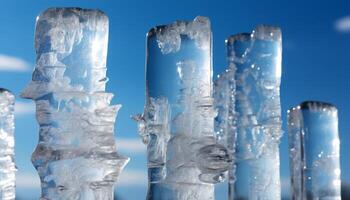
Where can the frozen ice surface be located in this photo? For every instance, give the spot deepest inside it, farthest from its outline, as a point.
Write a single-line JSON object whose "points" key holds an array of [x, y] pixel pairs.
{"points": [[295, 155], [225, 129], [76, 157], [224, 93], [154, 128], [249, 112], [184, 158], [169, 37], [314, 151], [71, 46], [7, 143]]}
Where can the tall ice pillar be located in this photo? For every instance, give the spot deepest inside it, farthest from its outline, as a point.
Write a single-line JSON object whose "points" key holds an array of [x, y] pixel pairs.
{"points": [[314, 151], [76, 156], [249, 120], [184, 159]]}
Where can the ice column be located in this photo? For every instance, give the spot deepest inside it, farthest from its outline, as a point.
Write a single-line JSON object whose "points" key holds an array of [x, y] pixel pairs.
{"points": [[250, 116], [7, 143], [178, 122], [225, 128], [76, 157], [296, 156], [314, 151]]}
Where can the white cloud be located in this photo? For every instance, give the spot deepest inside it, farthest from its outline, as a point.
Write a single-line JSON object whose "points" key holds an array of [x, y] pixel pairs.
{"points": [[23, 108], [11, 63], [130, 145], [27, 180], [343, 24], [133, 178], [126, 178]]}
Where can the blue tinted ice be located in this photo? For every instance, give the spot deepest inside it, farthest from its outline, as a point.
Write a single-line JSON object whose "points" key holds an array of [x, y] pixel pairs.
{"points": [[7, 143], [247, 97], [296, 156], [314, 151], [184, 159], [76, 157]]}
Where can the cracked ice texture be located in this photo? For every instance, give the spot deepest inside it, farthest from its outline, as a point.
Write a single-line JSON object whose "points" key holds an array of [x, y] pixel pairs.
{"points": [[314, 151], [177, 125], [7, 143], [76, 157], [247, 96]]}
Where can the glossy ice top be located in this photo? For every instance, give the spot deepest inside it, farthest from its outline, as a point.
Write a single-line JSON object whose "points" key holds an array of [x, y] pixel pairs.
{"points": [[64, 31], [169, 37], [316, 106], [320, 124], [261, 50], [177, 52], [71, 46], [261, 32]]}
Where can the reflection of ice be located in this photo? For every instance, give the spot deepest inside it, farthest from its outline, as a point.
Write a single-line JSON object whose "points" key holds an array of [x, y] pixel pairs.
{"points": [[177, 125], [249, 121], [7, 143], [314, 151], [76, 156]]}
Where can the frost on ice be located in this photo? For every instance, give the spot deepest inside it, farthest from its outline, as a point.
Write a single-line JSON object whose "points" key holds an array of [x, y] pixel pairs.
{"points": [[249, 112], [7, 143], [169, 37], [225, 128], [76, 157], [314, 151], [184, 158]]}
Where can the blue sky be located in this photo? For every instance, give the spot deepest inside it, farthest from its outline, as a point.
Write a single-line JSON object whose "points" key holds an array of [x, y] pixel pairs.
{"points": [[316, 51]]}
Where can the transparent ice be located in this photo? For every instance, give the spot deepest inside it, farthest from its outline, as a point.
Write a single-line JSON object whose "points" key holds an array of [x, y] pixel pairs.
{"points": [[225, 128], [295, 155], [76, 156], [247, 97], [7, 143], [314, 151], [184, 159]]}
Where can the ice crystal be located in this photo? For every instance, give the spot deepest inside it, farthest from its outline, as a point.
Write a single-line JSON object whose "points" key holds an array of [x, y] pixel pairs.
{"points": [[7, 143], [249, 119], [314, 151], [169, 37], [184, 158], [76, 156]]}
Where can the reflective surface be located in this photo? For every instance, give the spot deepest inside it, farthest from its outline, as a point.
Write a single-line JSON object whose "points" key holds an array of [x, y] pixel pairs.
{"points": [[184, 159], [249, 120], [314, 151], [76, 156], [296, 154]]}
